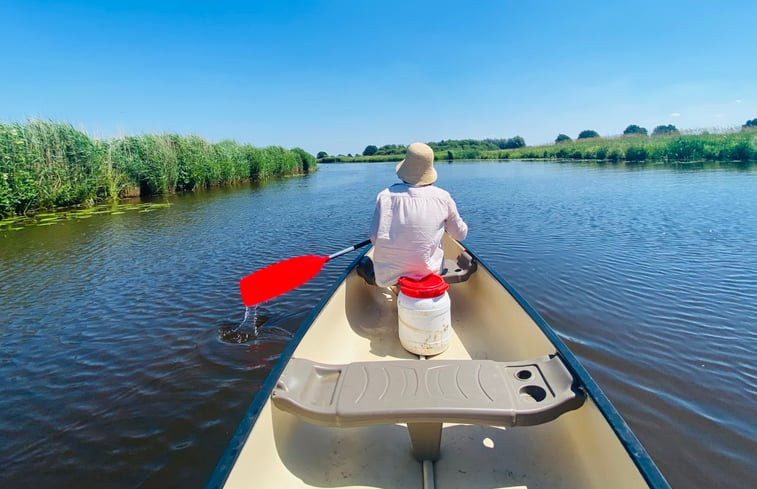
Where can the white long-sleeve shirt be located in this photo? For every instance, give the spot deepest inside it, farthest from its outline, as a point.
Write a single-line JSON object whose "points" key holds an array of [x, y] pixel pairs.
{"points": [[407, 229]]}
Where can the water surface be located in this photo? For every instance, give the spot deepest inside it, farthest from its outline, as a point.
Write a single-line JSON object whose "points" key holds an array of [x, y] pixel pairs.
{"points": [[115, 370]]}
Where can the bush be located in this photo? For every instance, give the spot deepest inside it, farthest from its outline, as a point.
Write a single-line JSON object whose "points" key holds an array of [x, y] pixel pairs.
{"points": [[686, 149], [743, 151], [636, 153], [634, 130], [665, 130], [615, 155], [516, 142]]}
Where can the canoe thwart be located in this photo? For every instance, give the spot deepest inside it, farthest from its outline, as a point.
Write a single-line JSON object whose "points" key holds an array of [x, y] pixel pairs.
{"points": [[427, 393], [460, 269]]}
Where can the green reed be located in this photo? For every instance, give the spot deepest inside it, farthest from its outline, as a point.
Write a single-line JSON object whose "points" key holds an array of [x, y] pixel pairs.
{"points": [[45, 164]]}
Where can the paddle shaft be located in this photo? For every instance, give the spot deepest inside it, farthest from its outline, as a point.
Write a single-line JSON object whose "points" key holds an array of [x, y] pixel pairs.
{"points": [[351, 248]]}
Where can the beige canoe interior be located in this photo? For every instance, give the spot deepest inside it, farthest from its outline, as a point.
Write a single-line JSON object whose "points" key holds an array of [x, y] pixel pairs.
{"points": [[359, 323]]}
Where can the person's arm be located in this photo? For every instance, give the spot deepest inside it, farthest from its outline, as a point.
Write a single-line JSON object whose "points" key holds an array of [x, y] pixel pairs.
{"points": [[454, 224], [375, 221]]}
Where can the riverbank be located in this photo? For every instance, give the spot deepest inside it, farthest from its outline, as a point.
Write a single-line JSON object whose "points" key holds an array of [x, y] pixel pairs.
{"points": [[734, 146], [739, 146], [46, 165]]}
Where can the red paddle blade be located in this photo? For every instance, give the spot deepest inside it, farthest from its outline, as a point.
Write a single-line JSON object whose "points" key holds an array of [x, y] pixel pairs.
{"points": [[280, 277]]}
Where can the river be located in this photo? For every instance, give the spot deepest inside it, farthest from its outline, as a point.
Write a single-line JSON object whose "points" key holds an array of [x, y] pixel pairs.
{"points": [[116, 369]]}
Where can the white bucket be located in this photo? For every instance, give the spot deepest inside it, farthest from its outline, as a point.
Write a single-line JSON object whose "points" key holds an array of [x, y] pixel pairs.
{"points": [[423, 309]]}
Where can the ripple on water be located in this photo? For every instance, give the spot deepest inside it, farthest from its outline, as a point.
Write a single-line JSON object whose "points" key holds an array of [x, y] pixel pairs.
{"points": [[114, 368]]}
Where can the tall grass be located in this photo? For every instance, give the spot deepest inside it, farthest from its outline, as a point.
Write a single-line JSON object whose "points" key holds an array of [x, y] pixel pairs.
{"points": [[47, 164], [44, 165]]}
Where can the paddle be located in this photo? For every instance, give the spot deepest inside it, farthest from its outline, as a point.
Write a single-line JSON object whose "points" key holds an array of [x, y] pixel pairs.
{"points": [[286, 275]]}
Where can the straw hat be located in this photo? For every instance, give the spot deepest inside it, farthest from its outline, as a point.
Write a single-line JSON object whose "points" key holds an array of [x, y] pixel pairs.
{"points": [[418, 166]]}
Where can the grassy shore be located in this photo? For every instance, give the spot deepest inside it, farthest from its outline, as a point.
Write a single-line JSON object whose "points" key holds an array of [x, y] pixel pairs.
{"points": [[738, 146], [362, 159], [733, 146], [45, 165]]}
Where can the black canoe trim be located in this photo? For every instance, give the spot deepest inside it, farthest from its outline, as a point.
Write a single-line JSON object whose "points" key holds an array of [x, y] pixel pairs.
{"points": [[234, 448], [636, 451]]}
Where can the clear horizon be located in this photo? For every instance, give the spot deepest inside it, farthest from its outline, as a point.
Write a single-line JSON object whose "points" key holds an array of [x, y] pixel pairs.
{"points": [[338, 76]]}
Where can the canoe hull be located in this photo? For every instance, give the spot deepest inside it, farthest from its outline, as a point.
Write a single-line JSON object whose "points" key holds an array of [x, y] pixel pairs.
{"points": [[356, 322]]}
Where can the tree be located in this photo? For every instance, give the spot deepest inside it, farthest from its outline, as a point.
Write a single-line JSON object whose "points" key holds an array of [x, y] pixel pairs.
{"points": [[392, 149], [561, 138], [370, 150], [588, 133], [663, 130], [633, 129], [516, 142], [751, 123], [321, 154]]}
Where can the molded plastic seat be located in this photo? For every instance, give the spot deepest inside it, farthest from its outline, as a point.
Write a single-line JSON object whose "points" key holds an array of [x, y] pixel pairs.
{"points": [[425, 394]]}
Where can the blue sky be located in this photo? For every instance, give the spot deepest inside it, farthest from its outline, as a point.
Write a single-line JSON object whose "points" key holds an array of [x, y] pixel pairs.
{"points": [[336, 76]]}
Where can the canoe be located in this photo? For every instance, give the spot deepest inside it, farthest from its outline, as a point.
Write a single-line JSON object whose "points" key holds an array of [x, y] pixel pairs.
{"points": [[506, 405]]}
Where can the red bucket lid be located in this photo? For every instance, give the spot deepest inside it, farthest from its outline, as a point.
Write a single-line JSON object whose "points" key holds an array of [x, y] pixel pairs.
{"points": [[431, 285]]}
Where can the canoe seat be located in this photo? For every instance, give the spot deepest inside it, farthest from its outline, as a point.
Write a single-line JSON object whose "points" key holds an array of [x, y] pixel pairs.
{"points": [[425, 394], [460, 269]]}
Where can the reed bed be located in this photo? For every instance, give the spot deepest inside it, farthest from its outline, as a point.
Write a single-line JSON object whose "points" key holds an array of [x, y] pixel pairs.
{"points": [[45, 165]]}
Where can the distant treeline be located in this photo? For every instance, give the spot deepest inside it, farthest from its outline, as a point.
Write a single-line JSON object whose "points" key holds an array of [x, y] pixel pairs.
{"points": [[733, 146], [45, 165], [458, 148], [665, 144]]}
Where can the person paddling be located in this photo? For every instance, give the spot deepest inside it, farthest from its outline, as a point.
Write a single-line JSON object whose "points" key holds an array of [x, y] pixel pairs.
{"points": [[409, 222]]}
